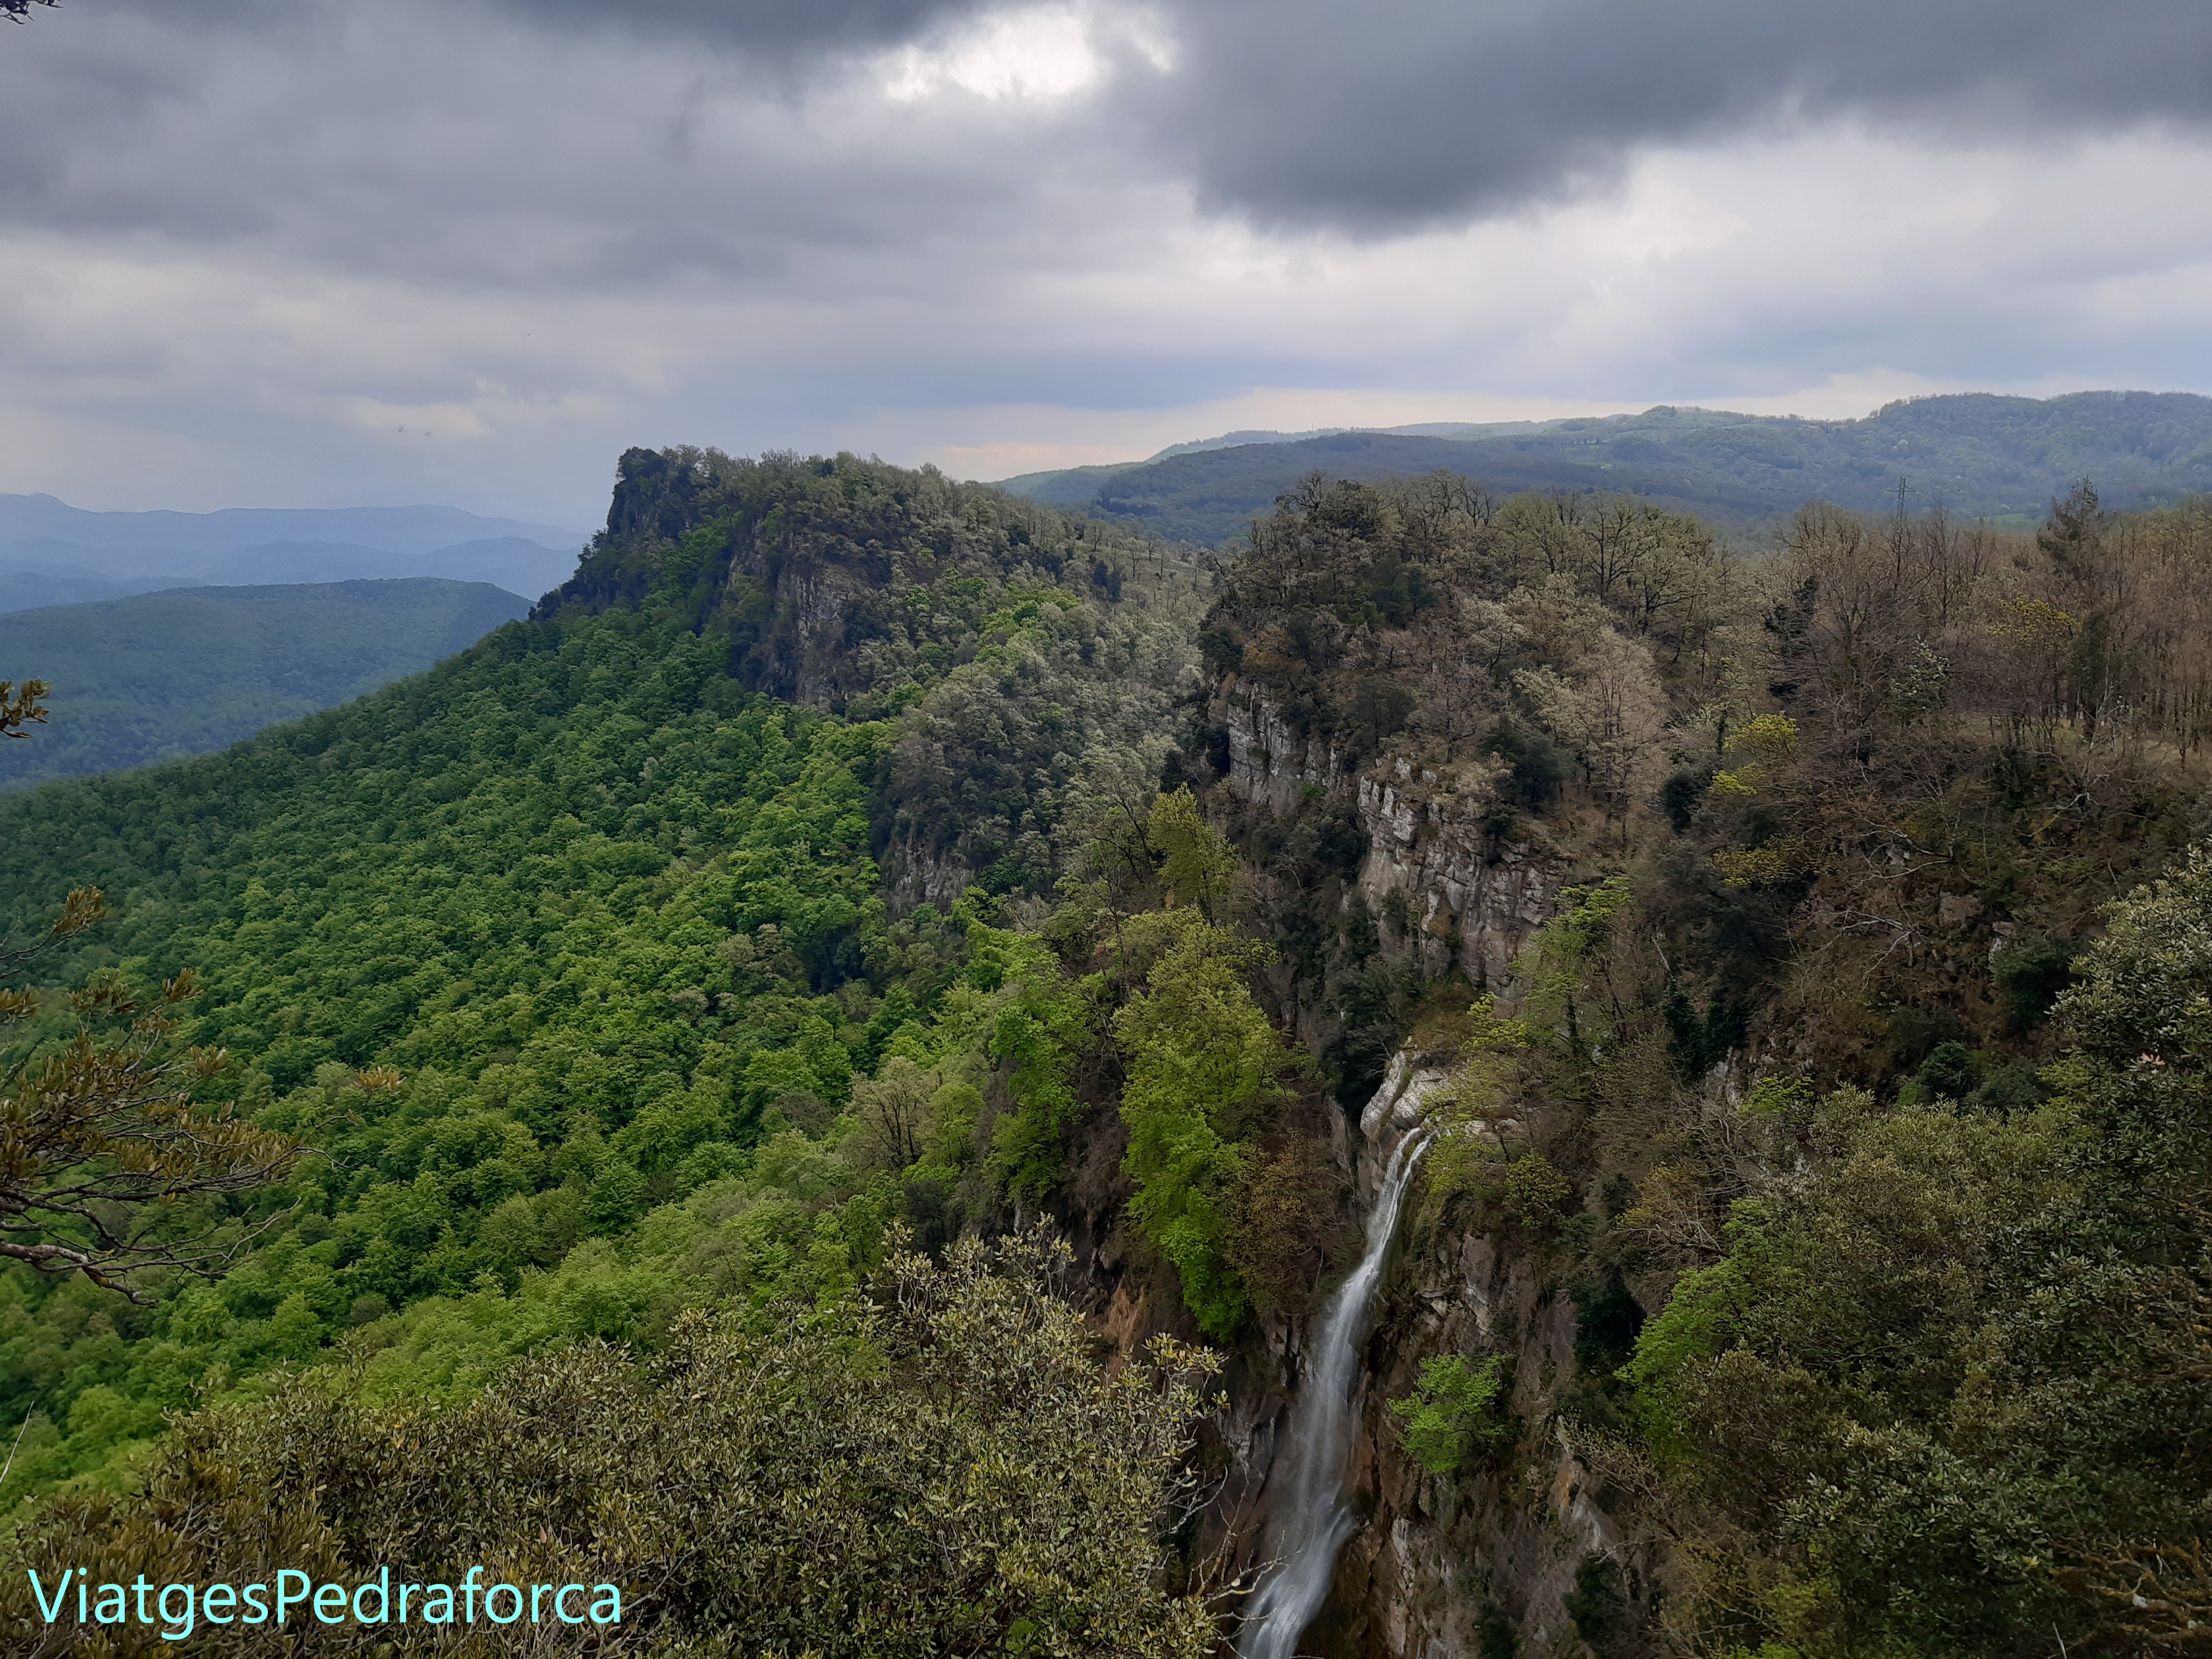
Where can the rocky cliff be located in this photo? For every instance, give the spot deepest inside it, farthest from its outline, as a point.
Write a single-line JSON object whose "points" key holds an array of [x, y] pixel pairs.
{"points": [[1470, 895], [1519, 1546], [1517, 1555]]}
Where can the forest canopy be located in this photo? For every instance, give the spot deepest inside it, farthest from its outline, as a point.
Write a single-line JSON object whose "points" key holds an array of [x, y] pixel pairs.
{"points": [[682, 988]]}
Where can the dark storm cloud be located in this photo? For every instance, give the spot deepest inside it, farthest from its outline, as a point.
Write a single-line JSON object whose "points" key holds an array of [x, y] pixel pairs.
{"points": [[772, 26], [1386, 114], [1391, 112], [338, 245], [482, 142], [1376, 117], [1402, 110]]}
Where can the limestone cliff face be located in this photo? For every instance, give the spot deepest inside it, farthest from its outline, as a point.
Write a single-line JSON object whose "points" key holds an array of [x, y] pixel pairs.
{"points": [[1510, 1544], [1471, 895], [1440, 1567], [1506, 1542], [915, 874]]}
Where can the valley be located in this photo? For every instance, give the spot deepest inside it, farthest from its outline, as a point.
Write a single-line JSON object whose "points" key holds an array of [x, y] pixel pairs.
{"points": [[910, 999], [163, 674]]}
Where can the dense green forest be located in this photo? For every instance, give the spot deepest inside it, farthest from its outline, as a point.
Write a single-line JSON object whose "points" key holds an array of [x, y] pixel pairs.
{"points": [[159, 676], [611, 920], [1983, 455], [1837, 1057], [688, 1000]]}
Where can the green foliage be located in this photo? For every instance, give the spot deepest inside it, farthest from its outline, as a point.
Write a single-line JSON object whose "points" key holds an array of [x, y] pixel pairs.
{"points": [[574, 961], [1972, 1333], [163, 674], [2032, 977], [1948, 1071], [942, 1469], [1572, 947], [1492, 1055], [1197, 865], [1042, 1028], [533, 946], [1455, 1406], [1203, 1067], [1535, 1193], [1699, 1040]]}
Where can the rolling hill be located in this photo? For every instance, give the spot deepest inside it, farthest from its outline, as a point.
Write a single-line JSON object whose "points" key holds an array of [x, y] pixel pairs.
{"points": [[159, 676], [847, 866], [51, 553], [1984, 456]]}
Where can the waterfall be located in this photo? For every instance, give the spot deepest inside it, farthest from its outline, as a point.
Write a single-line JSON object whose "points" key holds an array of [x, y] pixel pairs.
{"points": [[1312, 1519]]}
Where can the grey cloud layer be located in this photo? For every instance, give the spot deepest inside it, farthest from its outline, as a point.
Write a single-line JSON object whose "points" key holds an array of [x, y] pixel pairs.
{"points": [[449, 144], [394, 239], [779, 26], [1392, 113], [1375, 117], [1386, 114]]}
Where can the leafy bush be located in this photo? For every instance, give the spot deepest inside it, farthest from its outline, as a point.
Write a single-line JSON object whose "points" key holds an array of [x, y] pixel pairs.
{"points": [[943, 1470], [1453, 1408]]}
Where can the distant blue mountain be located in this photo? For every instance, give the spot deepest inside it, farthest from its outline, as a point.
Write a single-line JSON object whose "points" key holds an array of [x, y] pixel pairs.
{"points": [[1983, 455], [407, 530], [51, 553]]}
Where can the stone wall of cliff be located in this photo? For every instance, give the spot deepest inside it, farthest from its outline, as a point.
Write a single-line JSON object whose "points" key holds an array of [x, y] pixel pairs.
{"points": [[1471, 890], [1441, 1565]]}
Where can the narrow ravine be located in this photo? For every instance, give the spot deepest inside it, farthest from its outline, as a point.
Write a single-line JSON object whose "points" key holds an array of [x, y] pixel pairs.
{"points": [[1312, 1517]]}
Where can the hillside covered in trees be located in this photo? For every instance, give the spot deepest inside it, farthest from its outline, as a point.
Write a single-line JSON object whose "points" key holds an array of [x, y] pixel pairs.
{"points": [[1980, 455], [159, 676], [690, 1002]]}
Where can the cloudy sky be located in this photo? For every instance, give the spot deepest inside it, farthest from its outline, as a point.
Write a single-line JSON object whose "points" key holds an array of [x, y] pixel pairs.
{"points": [[317, 253]]}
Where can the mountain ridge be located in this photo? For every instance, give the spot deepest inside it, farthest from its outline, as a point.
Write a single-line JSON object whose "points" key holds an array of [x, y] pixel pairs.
{"points": [[413, 530], [157, 676], [1985, 454]]}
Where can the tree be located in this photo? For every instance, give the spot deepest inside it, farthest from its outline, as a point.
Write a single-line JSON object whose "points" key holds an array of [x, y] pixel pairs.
{"points": [[1980, 1339], [890, 1116], [1203, 1067], [1453, 1404], [1610, 711], [943, 1469], [100, 1137], [23, 705], [1197, 866]]}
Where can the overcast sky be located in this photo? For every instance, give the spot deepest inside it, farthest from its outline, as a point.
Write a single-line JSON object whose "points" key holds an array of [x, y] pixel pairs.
{"points": [[319, 252]]}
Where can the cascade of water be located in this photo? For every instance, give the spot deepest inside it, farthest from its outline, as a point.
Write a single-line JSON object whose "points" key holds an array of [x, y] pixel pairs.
{"points": [[1312, 1519]]}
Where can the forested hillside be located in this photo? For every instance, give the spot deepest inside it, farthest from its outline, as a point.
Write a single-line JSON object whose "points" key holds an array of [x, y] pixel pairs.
{"points": [[163, 675], [690, 999], [1983, 456], [610, 917], [1889, 1331]]}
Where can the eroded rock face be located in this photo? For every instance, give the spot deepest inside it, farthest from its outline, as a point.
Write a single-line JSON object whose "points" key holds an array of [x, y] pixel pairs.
{"points": [[1509, 1543], [1502, 1542], [914, 875], [1471, 896], [1440, 1566]]}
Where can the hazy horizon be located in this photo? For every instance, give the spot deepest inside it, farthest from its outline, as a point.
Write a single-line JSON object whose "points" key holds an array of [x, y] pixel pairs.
{"points": [[467, 253]]}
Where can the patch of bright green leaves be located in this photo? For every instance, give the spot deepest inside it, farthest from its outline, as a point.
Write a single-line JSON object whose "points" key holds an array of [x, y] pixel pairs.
{"points": [[1456, 1409]]}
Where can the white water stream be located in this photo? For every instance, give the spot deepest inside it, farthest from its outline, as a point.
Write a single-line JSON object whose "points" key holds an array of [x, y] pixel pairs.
{"points": [[1311, 1519]]}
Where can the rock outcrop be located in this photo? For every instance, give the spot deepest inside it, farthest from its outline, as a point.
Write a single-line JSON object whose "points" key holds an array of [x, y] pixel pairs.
{"points": [[1470, 890], [1444, 1566]]}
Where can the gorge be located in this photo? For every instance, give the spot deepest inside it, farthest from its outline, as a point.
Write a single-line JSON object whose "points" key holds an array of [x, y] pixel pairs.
{"points": [[1573, 1030], [1313, 1518]]}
